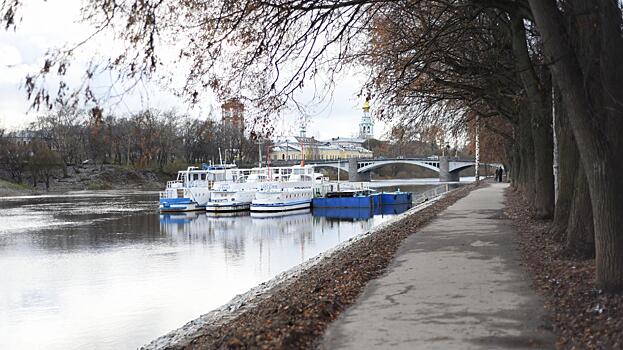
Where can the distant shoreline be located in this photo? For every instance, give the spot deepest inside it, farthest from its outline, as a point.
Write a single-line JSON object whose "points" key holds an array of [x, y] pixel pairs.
{"points": [[90, 178]]}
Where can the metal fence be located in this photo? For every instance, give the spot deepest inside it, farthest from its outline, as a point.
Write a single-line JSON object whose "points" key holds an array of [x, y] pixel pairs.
{"points": [[419, 198]]}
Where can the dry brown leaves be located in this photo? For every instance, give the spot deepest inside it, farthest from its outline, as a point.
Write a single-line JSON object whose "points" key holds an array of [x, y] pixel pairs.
{"points": [[296, 316], [583, 317]]}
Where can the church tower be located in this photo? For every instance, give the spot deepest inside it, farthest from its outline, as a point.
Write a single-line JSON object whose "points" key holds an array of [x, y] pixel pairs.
{"points": [[366, 126]]}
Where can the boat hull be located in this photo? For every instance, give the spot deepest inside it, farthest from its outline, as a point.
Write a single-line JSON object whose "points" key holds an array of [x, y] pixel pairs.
{"points": [[282, 206], [395, 198], [262, 215], [343, 202], [176, 205], [226, 207]]}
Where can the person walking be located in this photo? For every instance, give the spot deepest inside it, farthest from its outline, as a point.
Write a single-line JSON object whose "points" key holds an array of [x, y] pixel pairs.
{"points": [[498, 174]]}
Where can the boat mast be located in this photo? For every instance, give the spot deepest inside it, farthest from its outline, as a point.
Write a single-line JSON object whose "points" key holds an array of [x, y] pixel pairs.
{"points": [[259, 147]]}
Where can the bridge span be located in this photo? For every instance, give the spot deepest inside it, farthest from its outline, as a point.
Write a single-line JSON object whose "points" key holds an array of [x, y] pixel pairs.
{"points": [[359, 169]]}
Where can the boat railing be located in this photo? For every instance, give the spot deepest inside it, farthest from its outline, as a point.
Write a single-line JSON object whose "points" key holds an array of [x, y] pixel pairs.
{"points": [[173, 183]]}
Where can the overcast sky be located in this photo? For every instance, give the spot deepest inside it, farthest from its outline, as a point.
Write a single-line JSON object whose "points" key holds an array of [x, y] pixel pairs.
{"points": [[46, 24]]}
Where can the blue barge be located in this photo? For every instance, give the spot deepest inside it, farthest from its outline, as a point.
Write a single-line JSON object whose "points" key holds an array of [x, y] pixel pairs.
{"points": [[362, 199], [394, 198]]}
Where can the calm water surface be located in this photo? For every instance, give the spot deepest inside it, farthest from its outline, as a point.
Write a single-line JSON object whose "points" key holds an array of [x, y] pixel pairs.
{"points": [[105, 271]]}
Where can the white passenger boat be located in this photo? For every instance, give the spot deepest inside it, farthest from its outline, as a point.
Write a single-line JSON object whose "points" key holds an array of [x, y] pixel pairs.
{"points": [[191, 190], [295, 193], [237, 196]]}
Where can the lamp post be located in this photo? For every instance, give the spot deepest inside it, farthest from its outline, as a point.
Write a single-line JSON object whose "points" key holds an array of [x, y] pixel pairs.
{"points": [[477, 160], [339, 162]]}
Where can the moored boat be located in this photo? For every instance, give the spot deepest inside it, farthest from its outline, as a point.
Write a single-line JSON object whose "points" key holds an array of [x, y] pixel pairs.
{"points": [[192, 188], [296, 193], [228, 197]]}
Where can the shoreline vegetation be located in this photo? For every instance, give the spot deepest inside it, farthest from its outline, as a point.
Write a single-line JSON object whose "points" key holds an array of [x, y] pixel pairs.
{"points": [[293, 310], [91, 177]]}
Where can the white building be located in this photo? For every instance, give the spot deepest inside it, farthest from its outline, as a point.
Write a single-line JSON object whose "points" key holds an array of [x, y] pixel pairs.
{"points": [[366, 125]]}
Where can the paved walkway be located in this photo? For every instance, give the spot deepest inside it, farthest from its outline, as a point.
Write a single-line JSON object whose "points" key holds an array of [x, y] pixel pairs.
{"points": [[456, 284]]}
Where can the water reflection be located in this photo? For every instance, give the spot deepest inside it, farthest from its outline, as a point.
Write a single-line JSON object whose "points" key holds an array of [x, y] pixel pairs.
{"points": [[107, 271]]}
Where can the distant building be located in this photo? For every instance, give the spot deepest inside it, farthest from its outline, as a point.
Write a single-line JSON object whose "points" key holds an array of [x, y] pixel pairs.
{"points": [[366, 126], [294, 148], [232, 113], [22, 137], [297, 147]]}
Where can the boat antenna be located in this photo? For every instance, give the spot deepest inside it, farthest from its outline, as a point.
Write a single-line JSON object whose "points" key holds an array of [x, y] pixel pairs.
{"points": [[219, 156], [259, 148]]}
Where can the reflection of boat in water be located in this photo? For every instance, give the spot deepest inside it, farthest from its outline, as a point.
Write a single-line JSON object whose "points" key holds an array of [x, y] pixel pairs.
{"points": [[226, 214], [178, 218], [295, 222], [228, 226], [202, 223]]}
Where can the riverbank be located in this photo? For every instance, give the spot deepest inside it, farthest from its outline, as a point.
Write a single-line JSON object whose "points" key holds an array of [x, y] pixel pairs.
{"points": [[8, 188], [90, 177], [294, 309], [583, 317]]}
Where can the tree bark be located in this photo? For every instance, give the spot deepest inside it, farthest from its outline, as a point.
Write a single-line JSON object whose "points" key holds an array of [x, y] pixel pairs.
{"points": [[544, 173], [594, 123], [525, 179], [567, 168], [580, 240]]}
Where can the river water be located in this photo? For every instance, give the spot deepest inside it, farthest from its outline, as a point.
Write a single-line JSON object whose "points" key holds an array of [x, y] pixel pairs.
{"points": [[105, 270]]}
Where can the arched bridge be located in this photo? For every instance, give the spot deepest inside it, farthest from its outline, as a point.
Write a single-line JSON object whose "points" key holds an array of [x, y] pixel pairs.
{"points": [[359, 169]]}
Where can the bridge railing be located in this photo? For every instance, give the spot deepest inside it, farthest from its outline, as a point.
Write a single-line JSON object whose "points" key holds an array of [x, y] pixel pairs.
{"points": [[277, 162]]}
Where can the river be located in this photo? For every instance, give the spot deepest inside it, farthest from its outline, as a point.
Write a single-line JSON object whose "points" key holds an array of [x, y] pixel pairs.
{"points": [[105, 270]]}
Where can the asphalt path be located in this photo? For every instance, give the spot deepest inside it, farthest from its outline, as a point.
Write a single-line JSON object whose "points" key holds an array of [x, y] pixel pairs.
{"points": [[456, 284]]}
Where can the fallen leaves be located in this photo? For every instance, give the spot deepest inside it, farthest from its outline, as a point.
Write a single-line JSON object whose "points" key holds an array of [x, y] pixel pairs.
{"points": [[583, 317]]}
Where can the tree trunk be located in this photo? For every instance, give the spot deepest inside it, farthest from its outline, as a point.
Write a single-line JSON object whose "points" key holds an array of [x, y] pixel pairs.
{"points": [[47, 182], [595, 124], [567, 168], [580, 240], [526, 158], [515, 166], [536, 92], [544, 173]]}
